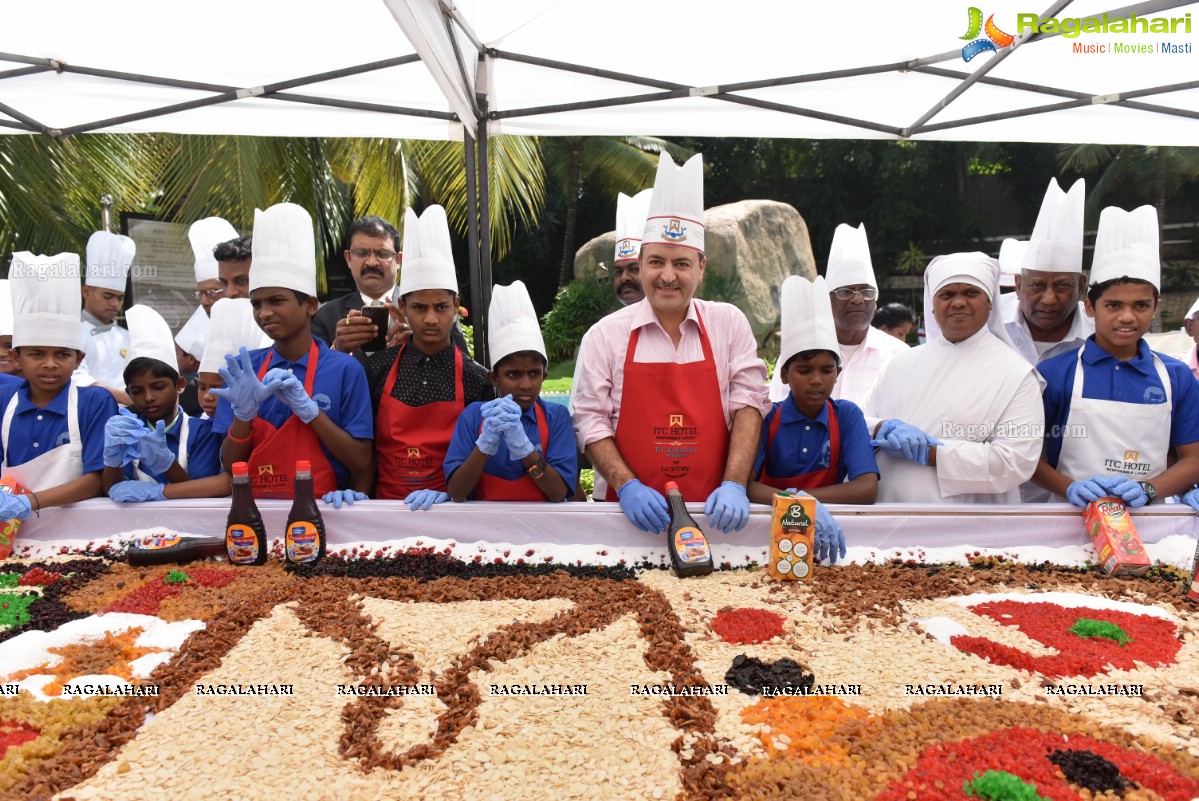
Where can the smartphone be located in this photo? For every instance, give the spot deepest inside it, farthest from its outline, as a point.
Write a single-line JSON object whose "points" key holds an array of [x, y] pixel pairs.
{"points": [[380, 317]]}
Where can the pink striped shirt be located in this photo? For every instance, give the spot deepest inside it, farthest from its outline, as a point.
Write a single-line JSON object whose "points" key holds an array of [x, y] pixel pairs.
{"points": [[599, 371]]}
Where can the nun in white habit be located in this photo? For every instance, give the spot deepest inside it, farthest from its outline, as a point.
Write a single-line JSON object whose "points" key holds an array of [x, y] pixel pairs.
{"points": [[960, 419]]}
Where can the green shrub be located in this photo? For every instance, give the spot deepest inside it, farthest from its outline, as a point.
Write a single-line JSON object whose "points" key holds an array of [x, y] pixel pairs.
{"points": [[577, 307], [587, 480]]}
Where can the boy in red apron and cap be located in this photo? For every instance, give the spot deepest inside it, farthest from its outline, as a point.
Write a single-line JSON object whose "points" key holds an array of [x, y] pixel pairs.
{"points": [[516, 448], [808, 441], [297, 400], [420, 387]]}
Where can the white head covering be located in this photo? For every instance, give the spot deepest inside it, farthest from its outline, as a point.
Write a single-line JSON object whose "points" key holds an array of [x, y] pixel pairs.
{"points": [[149, 336], [1011, 261], [46, 300], [1126, 246], [676, 207], [849, 259], [205, 235], [807, 318], [284, 249], [978, 269], [428, 257], [512, 323], [1191, 312], [231, 328], [194, 333], [5, 309], [1056, 242], [108, 260], [630, 223]]}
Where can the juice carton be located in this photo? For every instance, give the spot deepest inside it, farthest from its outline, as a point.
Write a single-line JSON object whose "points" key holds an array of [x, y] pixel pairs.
{"points": [[1115, 538], [8, 528], [792, 528]]}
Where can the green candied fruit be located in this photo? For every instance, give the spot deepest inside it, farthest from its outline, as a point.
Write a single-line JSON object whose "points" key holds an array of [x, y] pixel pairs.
{"points": [[176, 577], [14, 609], [9, 580], [1087, 628], [999, 785]]}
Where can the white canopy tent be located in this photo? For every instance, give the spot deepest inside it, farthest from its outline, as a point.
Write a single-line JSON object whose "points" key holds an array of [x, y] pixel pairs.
{"points": [[475, 68]]}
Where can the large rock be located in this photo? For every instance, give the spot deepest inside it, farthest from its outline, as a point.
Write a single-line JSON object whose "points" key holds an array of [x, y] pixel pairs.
{"points": [[752, 246]]}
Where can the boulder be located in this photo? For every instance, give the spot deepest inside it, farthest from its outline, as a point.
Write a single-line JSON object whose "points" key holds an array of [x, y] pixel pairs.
{"points": [[752, 246]]}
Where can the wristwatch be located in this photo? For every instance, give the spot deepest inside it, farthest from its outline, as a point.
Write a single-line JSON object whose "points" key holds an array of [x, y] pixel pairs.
{"points": [[1150, 490], [538, 470]]}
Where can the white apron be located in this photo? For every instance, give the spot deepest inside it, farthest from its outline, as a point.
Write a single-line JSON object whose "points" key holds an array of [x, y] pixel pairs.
{"points": [[181, 458], [1118, 438], [56, 466]]}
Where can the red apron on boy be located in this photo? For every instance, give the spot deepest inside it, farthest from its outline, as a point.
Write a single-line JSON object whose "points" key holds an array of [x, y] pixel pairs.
{"points": [[824, 477]]}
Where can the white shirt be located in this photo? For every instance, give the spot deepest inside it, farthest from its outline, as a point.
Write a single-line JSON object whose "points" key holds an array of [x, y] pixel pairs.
{"points": [[977, 397], [1081, 327], [105, 349], [860, 367]]}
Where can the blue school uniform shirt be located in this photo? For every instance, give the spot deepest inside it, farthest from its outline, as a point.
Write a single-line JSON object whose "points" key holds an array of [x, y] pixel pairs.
{"points": [[35, 431], [560, 452], [1107, 378], [339, 388], [203, 450], [802, 443]]}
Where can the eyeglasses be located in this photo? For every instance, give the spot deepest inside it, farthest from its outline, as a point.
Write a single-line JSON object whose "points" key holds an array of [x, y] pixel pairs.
{"points": [[211, 293], [845, 293], [382, 254]]}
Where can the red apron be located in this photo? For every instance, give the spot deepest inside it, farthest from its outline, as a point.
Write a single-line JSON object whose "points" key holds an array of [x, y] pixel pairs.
{"points": [[825, 477], [494, 488], [411, 441], [672, 425], [275, 451]]}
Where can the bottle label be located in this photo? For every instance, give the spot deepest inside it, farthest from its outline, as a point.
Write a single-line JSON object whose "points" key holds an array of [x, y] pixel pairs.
{"points": [[303, 542], [691, 545], [157, 543], [242, 544]]}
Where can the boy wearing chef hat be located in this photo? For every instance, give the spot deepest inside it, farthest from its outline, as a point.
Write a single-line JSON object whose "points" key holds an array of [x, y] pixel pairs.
{"points": [[232, 328], [419, 388], [52, 431], [9, 367], [105, 343], [297, 400], [156, 450], [1114, 409], [518, 447], [808, 441]]}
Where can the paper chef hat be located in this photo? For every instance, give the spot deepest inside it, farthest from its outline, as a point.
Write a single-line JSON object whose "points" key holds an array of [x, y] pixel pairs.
{"points": [[284, 249], [5, 309], [46, 300], [1126, 245], [849, 259], [149, 336], [428, 257], [630, 223], [205, 235], [194, 333], [108, 260], [1056, 243], [807, 318], [231, 328], [676, 207], [512, 323], [1191, 312], [1011, 261]]}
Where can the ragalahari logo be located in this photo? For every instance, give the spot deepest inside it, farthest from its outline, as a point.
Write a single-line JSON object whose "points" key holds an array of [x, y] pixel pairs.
{"points": [[994, 40]]}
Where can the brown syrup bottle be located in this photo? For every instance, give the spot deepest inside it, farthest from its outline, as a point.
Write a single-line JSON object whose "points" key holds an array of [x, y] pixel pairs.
{"points": [[689, 550], [304, 542], [245, 534]]}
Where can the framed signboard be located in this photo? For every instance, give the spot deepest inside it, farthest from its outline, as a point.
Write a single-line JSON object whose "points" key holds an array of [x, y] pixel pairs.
{"points": [[163, 273]]}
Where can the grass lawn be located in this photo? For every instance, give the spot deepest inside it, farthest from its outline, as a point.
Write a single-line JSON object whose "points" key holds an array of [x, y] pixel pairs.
{"points": [[559, 377]]}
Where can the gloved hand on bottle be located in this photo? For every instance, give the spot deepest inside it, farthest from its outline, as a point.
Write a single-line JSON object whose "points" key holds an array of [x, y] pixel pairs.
{"points": [[829, 542]]}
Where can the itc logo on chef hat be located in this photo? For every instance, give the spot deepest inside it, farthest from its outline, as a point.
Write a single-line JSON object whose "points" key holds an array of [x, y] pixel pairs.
{"points": [[626, 248], [992, 42]]}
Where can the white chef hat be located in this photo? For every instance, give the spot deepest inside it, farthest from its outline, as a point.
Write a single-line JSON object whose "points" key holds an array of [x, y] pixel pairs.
{"points": [[849, 259], [1056, 242], [149, 336], [977, 269], [807, 318], [5, 309], [284, 249], [46, 300], [205, 235], [108, 259], [1011, 261], [230, 328], [676, 206], [1191, 312], [428, 257], [512, 323], [1126, 246], [630, 223], [192, 335]]}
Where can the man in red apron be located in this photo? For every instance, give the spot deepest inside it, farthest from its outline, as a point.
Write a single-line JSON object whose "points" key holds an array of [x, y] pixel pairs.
{"points": [[296, 400], [671, 388], [419, 388]]}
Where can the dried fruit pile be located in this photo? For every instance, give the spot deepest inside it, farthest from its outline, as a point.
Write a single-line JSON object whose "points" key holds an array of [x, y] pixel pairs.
{"points": [[422, 676]]}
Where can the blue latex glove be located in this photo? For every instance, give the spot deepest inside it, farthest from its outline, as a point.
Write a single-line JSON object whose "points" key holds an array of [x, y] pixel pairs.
{"points": [[514, 433], [1080, 493], [242, 388], [644, 507], [829, 543], [899, 438], [728, 507], [423, 499], [1191, 498], [1124, 488], [289, 389], [136, 492], [338, 497], [122, 431], [495, 422], [153, 451], [14, 506]]}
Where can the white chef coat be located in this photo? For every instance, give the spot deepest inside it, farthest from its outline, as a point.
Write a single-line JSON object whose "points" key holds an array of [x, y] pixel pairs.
{"points": [[1017, 329], [859, 371], [105, 349]]}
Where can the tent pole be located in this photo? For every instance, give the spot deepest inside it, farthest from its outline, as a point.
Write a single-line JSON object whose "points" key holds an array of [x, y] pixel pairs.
{"points": [[484, 277], [472, 234]]}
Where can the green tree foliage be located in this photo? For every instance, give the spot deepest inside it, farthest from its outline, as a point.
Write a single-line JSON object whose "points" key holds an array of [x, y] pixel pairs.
{"points": [[577, 307]]}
